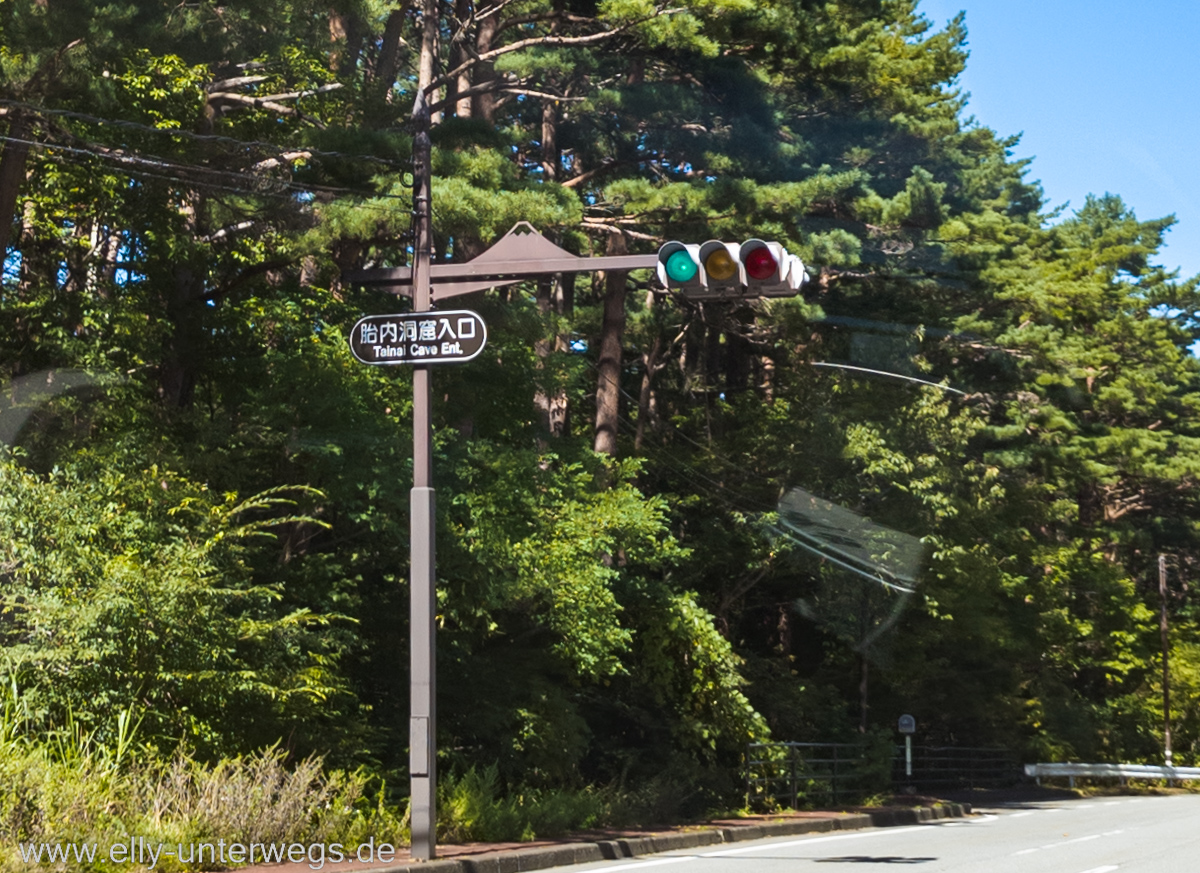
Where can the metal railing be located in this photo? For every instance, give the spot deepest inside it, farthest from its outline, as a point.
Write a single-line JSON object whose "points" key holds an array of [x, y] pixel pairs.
{"points": [[957, 767], [1123, 772], [794, 773]]}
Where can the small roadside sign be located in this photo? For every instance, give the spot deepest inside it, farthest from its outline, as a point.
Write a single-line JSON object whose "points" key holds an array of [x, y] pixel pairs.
{"points": [[418, 337], [908, 724]]}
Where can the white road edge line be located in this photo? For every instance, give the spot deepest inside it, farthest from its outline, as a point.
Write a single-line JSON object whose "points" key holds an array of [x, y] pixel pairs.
{"points": [[657, 862], [802, 842]]}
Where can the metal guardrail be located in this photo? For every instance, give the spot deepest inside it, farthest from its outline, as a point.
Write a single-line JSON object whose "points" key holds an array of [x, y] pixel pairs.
{"points": [[794, 772], [1123, 772], [957, 767]]}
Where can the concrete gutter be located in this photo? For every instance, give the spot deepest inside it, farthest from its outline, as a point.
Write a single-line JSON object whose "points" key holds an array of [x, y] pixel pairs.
{"points": [[566, 854]]}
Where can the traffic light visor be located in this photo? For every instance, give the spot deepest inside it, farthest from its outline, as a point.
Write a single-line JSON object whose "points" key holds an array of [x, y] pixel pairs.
{"points": [[681, 267], [720, 265]]}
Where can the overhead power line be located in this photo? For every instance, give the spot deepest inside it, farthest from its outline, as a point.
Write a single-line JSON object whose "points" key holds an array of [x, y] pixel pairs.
{"points": [[155, 166], [200, 137]]}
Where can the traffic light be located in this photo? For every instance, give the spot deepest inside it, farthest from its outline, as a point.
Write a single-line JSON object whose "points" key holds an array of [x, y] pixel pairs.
{"points": [[727, 271], [679, 267]]}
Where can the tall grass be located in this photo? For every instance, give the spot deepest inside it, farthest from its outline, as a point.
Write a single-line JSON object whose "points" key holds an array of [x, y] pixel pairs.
{"points": [[63, 786], [473, 805], [471, 808]]}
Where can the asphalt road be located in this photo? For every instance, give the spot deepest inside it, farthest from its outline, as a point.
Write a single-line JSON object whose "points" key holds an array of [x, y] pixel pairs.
{"points": [[1102, 835]]}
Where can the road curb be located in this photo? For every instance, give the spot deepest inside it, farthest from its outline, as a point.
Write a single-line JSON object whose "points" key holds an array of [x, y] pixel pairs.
{"points": [[566, 854]]}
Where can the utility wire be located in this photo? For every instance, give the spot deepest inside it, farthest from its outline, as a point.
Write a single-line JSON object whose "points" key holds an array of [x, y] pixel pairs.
{"points": [[201, 137], [138, 165], [695, 472]]}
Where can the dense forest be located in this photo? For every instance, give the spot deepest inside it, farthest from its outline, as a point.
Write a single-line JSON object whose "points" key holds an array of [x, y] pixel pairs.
{"points": [[204, 497]]}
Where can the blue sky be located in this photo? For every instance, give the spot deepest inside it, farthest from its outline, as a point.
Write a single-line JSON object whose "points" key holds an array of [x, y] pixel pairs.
{"points": [[1105, 93]]}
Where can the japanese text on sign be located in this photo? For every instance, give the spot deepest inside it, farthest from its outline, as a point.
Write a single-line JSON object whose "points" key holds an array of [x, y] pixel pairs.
{"points": [[418, 337]]}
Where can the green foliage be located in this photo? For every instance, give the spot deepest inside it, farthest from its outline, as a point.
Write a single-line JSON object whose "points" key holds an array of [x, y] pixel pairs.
{"points": [[68, 785], [198, 191], [131, 587], [472, 808]]}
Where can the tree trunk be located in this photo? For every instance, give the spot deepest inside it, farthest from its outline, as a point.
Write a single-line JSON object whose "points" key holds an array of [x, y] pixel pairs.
{"points": [[647, 407], [344, 28], [12, 175], [739, 356], [766, 383], [484, 105], [608, 381], [389, 53], [462, 106], [427, 68], [551, 404], [551, 159], [183, 352]]}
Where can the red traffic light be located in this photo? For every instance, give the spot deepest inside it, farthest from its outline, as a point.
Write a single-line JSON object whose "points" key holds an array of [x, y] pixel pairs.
{"points": [[760, 264], [720, 270]]}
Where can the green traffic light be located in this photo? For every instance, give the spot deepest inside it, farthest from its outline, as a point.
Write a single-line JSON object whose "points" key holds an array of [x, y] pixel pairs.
{"points": [[680, 267]]}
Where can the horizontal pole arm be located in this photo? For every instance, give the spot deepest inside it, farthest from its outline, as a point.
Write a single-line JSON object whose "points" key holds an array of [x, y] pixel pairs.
{"points": [[502, 269]]}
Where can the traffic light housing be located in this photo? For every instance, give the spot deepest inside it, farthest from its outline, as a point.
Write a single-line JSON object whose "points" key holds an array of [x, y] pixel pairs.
{"points": [[723, 271], [679, 267], [730, 271]]}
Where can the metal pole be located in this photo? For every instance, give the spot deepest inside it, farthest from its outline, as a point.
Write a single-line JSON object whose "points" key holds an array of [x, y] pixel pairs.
{"points": [[795, 786], [1166, 674], [747, 759], [422, 723], [908, 755], [833, 783]]}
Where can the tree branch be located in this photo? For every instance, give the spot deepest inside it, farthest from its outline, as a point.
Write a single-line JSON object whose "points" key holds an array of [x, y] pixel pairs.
{"points": [[243, 277], [591, 174], [236, 82], [539, 41]]}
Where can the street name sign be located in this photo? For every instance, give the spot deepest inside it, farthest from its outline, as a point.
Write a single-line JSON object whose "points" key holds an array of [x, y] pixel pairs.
{"points": [[418, 337]]}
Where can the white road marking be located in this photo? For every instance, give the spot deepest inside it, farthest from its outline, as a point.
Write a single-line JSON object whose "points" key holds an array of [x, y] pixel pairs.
{"points": [[722, 853], [658, 862], [1068, 843], [1020, 814], [655, 863], [1109, 869]]}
